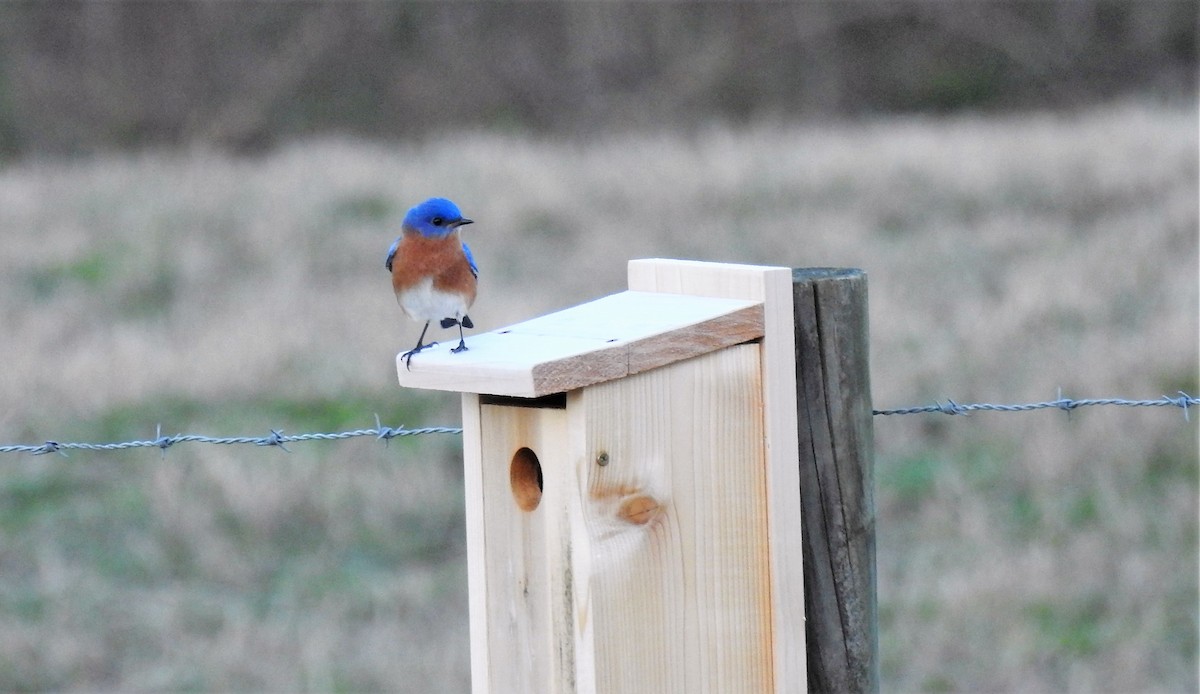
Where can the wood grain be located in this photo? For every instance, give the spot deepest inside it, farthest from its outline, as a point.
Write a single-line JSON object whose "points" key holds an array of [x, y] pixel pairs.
{"points": [[833, 393], [677, 526], [529, 631], [773, 287]]}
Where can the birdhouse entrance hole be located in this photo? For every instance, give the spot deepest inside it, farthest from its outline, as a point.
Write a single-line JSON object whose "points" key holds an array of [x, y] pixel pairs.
{"points": [[525, 473]]}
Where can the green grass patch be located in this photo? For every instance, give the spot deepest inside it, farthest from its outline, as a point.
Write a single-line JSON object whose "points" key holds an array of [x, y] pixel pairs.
{"points": [[24, 497], [1071, 629], [1083, 509], [90, 271], [153, 294], [364, 207], [1169, 463], [911, 479], [1024, 513]]}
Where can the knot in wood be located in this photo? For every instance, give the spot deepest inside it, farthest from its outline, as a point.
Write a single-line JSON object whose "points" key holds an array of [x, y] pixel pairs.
{"points": [[639, 510]]}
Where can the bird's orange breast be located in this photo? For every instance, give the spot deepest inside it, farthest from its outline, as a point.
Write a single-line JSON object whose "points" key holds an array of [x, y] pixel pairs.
{"points": [[419, 257]]}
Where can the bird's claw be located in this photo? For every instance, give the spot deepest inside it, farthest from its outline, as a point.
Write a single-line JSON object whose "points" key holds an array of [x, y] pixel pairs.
{"points": [[407, 356]]}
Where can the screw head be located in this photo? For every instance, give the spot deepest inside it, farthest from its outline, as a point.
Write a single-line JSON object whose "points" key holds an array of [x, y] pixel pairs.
{"points": [[602, 459]]}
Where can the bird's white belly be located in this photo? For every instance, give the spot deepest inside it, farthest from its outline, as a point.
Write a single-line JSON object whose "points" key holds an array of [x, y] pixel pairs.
{"points": [[423, 302]]}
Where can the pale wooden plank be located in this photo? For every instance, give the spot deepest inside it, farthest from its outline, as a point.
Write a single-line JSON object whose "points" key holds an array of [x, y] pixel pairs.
{"points": [[598, 341], [677, 525], [531, 637], [477, 579], [699, 278], [627, 316], [783, 480], [772, 286]]}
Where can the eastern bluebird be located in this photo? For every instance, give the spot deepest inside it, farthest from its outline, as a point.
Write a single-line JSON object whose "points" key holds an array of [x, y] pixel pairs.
{"points": [[433, 273]]}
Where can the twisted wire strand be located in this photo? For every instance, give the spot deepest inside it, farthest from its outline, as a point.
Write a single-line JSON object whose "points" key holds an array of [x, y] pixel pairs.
{"points": [[276, 438], [1183, 401], [384, 433]]}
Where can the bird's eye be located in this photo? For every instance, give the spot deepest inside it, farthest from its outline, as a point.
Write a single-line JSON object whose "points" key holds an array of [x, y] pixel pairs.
{"points": [[437, 221]]}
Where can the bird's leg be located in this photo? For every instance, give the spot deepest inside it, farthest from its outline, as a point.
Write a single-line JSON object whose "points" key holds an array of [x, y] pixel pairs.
{"points": [[464, 322], [407, 356]]}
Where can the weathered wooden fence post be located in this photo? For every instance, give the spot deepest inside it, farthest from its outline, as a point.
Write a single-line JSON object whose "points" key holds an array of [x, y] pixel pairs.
{"points": [[833, 394], [632, 487]]}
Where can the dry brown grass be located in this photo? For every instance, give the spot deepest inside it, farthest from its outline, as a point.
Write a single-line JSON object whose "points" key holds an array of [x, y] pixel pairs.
{"points": [[1008, 256]]}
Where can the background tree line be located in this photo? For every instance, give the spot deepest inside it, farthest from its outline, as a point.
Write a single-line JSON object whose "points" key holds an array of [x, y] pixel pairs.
{"points": [[79, 76]]}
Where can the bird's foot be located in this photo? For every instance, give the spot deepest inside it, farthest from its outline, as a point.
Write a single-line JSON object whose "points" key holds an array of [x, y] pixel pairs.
{"points": [[407, 356], [462, 347]]}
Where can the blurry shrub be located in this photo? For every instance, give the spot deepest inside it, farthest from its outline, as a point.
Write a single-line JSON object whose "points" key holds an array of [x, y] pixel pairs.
{"points": [[80, 76]]}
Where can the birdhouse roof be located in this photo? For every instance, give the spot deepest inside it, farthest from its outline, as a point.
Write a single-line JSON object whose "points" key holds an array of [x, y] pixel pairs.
{"points": [[602, 340]]}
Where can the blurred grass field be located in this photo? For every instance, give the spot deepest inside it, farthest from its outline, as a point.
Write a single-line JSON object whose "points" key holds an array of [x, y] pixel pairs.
{"points": [[1008, 256]]}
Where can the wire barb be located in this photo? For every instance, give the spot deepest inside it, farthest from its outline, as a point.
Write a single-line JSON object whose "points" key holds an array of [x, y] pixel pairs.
{"points": [[1182, 401], [385, 433], [163, 442], [49, 447], [275, 439], [951, 408]]}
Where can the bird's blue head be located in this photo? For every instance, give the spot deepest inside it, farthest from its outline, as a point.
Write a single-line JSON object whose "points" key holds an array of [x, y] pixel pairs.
{"points": [[436, 217]]}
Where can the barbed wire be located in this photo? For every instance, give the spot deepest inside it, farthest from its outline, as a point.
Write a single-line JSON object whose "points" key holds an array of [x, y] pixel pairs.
{"points": [[276, 438], [383, 433], [1183, 401]]}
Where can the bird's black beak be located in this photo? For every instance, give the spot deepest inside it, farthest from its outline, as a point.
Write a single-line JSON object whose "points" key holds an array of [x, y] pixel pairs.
{"points": [[463, 221]]}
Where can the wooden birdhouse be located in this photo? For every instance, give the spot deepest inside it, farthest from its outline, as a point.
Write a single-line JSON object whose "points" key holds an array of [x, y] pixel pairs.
{"points": [[632, 490]]}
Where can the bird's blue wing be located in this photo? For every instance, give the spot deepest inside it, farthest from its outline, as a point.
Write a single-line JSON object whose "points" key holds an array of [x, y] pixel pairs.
{"points": [[470, 259], [392, 254]]}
